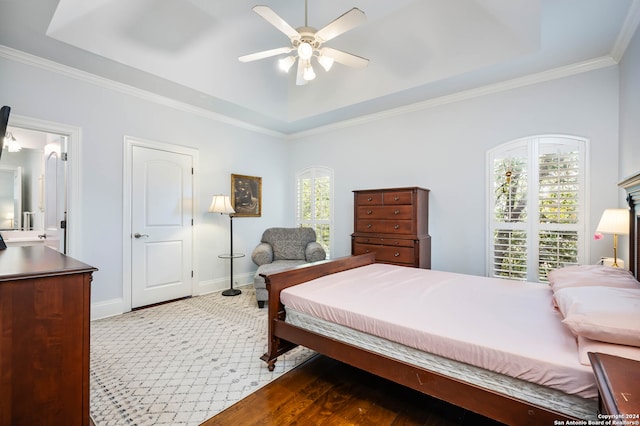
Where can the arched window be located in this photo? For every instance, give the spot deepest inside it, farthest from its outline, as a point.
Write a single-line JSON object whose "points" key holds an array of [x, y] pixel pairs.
{"points": [[537, 206], [314, 203]]}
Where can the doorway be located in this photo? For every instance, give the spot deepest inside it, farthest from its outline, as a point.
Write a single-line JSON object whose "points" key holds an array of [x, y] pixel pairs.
{"points": [[50, 207], [158, 241]]}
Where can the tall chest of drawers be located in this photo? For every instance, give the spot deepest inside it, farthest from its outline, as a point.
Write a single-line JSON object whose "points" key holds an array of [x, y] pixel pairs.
{"points": [[393, 223]]}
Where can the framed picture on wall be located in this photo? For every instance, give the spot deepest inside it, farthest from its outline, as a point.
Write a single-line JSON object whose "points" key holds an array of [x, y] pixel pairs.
{"points": [[246, 195]]}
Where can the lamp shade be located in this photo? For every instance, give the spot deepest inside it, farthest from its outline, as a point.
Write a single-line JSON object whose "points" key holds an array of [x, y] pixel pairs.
{"points": [[285, 64], [326, 62], [221, 204], [305, 51], [614, 221]]}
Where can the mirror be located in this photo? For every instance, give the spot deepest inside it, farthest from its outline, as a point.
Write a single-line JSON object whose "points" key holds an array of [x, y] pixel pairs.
{"points": [[10, 197], [25, 178]]}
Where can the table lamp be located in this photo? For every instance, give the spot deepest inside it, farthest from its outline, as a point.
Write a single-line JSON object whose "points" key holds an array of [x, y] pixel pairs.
{"points": [[616, 222]]}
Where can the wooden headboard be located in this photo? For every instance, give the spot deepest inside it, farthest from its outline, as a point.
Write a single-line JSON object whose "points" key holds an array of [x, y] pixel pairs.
{"points": [[632, 186]]}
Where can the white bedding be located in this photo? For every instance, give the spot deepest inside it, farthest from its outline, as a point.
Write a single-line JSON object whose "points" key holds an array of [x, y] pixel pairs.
{"points": [[499, 325]]}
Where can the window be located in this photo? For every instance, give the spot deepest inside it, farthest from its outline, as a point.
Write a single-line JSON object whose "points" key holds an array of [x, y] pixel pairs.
{"points": [[537, 206], [314, 206]]}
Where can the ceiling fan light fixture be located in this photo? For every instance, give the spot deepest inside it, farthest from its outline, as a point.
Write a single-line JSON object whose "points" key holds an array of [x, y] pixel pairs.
{"points": [[305, 51], [286, 63], [326, 62], [306, 43], [308, 73]]}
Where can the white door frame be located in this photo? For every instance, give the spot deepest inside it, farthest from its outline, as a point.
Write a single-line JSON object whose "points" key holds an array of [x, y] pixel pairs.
{"points": [[129, 143], [74, 174]]}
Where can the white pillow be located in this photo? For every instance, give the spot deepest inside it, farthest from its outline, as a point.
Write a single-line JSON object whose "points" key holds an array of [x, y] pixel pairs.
{"points": [[591, 275], [606, 314]]}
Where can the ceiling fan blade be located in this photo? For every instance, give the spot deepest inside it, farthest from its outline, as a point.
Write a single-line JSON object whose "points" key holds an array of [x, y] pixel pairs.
{"points": [[345, 58], [274, 19], [342, 24], [300, 81], [265, 54]]}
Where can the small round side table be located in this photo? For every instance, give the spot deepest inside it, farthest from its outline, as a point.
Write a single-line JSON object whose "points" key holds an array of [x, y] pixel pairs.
{"points": [[231, 291]]}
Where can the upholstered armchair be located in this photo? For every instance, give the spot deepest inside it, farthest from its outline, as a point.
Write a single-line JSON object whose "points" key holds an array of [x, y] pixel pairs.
{"points": [[282, 248]]}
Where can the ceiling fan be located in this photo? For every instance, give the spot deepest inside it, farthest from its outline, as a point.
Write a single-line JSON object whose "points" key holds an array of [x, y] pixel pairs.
{"points": [[307, 42]]}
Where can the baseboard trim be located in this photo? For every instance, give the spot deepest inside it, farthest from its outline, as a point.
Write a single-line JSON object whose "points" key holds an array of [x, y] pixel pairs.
{"points": [[108, 308], [209, 286], [113, 307]]}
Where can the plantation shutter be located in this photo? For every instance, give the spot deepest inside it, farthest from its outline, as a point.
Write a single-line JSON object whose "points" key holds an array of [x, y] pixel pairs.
{"points": [[536, 221], [314, 207]]}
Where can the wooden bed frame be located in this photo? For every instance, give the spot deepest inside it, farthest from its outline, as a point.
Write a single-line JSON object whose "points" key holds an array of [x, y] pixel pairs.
{"points": [[283, 337]]}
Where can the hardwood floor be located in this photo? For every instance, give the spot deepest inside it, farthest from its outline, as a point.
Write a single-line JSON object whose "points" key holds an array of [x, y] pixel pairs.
{"points": [[323, 391]]}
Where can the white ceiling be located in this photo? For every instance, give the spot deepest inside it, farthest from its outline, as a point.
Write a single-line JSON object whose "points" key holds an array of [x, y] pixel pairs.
{"points": [[187, 50]]}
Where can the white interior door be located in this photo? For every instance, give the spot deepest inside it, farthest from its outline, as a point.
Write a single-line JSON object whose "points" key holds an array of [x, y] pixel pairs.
{"points": [[161, 228]]}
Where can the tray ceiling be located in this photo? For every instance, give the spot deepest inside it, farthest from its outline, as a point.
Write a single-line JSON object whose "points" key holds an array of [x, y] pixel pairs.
{"points": [[188, 50]]}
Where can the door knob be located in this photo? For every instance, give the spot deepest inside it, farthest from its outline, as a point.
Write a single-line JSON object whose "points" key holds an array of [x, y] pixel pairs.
{"points": [[138, 235]]}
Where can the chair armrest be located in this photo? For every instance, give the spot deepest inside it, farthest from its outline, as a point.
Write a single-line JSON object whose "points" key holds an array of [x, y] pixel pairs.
{"points": [[314, 252], [262, 254]]}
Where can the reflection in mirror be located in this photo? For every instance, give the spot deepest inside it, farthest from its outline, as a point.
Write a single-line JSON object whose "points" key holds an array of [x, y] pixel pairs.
{"points": [[10, 197], [30, 166]]}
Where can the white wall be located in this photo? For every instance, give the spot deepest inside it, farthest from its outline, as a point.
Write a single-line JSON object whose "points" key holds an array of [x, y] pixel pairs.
{"points": [[443, 149], [630, 109], [629, 121], [105, 117]]}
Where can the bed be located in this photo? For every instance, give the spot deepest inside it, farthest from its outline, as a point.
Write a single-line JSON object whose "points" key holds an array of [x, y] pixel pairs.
{"points": [[515, 384]]}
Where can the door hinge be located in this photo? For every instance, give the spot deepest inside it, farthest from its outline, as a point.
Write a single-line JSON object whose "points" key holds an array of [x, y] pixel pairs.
{"points": [[63, 224], [191, 221], [192, 170], [64, 156], [191, 274]]}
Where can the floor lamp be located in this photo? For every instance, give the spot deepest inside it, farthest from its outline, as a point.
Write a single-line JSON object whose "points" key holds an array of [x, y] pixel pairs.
{"points": [[222, 204], [616, 222]]}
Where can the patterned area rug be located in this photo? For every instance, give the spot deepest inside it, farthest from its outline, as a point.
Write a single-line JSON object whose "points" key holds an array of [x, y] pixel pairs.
{"points": [[181, 363]]}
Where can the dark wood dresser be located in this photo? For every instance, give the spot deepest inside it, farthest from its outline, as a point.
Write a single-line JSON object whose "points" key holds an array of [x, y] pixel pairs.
{"points": [[393, 223], [618, 381], [44, 337]]}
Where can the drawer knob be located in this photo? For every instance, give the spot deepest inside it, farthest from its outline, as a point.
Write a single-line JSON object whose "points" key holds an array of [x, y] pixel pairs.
{"points": [[396, 212], [396, 198], [369, 212], [396, 226], [369, 226], [396, 254], [369, 198]]}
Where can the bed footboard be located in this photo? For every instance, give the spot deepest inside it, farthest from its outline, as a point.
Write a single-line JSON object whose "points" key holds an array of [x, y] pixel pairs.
{"points": [[277, 282]]}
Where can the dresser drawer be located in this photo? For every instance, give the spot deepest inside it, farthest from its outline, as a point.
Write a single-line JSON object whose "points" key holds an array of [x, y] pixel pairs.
{"points": [[368, 198], [385, 226], [387, 253], [397, 197], [384, 197], [384, 212], [384, 241]]}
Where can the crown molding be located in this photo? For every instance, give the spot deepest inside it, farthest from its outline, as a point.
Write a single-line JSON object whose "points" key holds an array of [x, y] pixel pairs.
{"points": [[553, 74], [629, 27], [86, 77]]}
